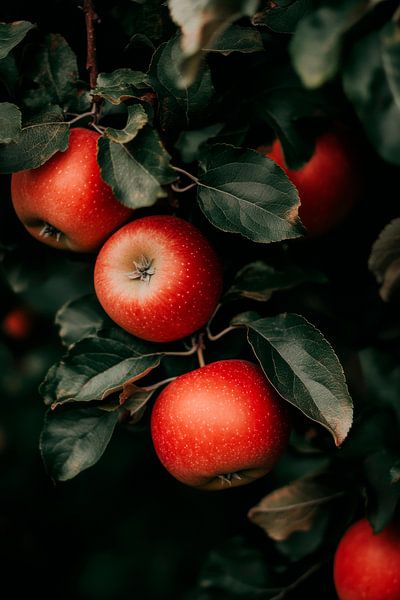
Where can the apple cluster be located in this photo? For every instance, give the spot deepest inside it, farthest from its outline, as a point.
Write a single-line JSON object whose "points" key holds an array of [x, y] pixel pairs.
{"points": [[159, 279]]}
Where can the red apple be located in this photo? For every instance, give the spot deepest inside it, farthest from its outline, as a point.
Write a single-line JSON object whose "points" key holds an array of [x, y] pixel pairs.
{"points": [[220, 426], [18, 323], [367, 566], [65, 203], [329, 184], [158, 278]]}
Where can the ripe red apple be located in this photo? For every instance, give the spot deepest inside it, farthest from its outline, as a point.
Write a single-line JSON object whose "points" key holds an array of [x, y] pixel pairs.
{"points": [[220, 426], [329, 184], [65, 203], [158, 278], [367, 566], [18, 323]]}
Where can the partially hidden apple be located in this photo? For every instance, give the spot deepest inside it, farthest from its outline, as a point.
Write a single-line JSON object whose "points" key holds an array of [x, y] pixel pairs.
{"points": [[18, 323], [65, 203], [329, 184], [367, 565], [222, 425], [158, 278]]}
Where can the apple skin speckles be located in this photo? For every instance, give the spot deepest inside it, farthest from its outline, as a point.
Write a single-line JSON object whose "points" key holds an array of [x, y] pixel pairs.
{"points": [[68, 193], [178, 292], [220, 426]]}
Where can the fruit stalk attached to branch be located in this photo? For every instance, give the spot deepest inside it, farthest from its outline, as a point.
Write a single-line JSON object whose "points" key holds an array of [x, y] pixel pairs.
{"points": [[91, 61]]}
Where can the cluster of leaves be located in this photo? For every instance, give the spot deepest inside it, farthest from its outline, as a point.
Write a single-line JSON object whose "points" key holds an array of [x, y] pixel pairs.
{"points": [[301, 64]]}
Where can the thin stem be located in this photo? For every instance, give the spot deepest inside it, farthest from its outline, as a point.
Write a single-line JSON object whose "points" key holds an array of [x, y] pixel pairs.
{"points": [[218, 336], [200, 348], [79, 117], [155, 386], [183, 172], [189, 352], [180, 190], [299, 580], [91, 63]]}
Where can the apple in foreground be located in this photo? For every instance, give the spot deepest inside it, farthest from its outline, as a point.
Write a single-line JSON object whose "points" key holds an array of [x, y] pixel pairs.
{"points": [[158, 278], [65, 203], [220, 426], [367, 565], [329, 184]]}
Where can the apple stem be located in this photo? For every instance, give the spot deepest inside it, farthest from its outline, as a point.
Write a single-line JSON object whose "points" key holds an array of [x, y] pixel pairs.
{"points": [[180, 190], [217, 336], [91, 62], [186, 173], [79, 117], [155, 386], [200, 349]]}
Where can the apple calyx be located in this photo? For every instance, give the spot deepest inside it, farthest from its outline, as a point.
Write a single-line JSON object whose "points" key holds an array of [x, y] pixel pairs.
{"points": [[50, 231], [144, 269], [226, 479]]}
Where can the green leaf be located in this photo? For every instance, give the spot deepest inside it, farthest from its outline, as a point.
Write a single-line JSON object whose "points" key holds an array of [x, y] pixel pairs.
{"points": [[383, 493], [384, 260], [369, 82], [137, 170], [243, 192], [304, 369], [55, 74], [166, 78], [258, 280], [202, 23], [190, 142], [391, 58], [80, 318], [316, 47], [40, 138], [74, 439], [9, 74], [121, 85], [294, 507], [10, 122], [381, 373], [137, 119], [11, 34], [283, 16], [237, 39], [98, 366], [284, 104]]}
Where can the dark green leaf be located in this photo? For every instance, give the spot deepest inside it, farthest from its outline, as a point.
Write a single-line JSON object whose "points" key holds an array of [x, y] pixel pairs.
{"points": [[369, 82], [384, 260], [80, 318], [391, 58], [10, 122], [137, 119], [137, 170], [243, 192], [166, 79], [120, 85], [293, 507], [282, 16], [283, 106], [11, 34], [304, 369], [236, 570], [237, 39], [38, 141], [98, 366], [259, 280], [9, 74], [383, 493], [381, 373], [74, 439], [317, 45], [190, 142], [55, 74], [202, 23]]}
